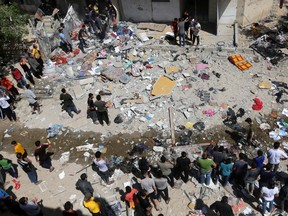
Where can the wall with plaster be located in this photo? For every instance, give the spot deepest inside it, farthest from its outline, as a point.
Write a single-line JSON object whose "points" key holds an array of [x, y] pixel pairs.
{"points": [[146, 10], [253, 10]]}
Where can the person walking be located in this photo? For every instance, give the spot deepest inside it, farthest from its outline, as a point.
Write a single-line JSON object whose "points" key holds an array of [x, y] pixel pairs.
{"points": [[67, 103], [32, 99], [268, 193], [18, 76], [42, 156], [148, 184], [31, 208], [28, 168], [196, 32], [181, 32], [162, 187], [102, 110], [225, 170], [81, 35], [103, 170], [275, 155], [206, 165], [91, 110], [83, 185], [35, 67], [165, 167], [7, 166], [6, 107], [182, 167], [18, 148], [92, 205], [222, 208]]}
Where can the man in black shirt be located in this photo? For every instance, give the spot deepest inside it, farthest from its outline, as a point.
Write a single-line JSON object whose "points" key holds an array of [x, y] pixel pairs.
{"points": [[83, 185], [222, 207], [67, 103], [82, 33], [42, 156], [183, 165], [102, 110], [91, 111]]}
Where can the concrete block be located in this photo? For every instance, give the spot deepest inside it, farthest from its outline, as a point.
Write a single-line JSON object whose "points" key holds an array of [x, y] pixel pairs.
{"points": [[78, 91]]}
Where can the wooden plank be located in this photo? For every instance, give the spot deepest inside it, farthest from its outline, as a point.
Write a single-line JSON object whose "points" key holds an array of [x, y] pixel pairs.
{"points": [[171, 120]]}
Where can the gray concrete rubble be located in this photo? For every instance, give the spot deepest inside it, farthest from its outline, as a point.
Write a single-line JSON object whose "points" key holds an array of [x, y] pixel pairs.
{"points": [[142, 74]]}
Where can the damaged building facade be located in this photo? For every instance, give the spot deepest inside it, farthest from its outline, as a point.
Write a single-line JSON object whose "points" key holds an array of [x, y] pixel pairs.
{"points": [[217, 15]]}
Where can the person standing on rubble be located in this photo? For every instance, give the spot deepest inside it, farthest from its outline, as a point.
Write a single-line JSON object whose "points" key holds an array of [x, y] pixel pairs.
{"points": [[222, 207], [181, 32], [18, 76], [206, 165], [83, 185], [81, 35], [275, 155], [103, 170], [37, 55], [66, 33], [32, 99], [91, 110], [196, 32], [6, 106], [67, 103], [174, 27], [102, 110], [166, 166], [5, 82], [64, 43], [148, 184], [182, 168], [26, 67]]}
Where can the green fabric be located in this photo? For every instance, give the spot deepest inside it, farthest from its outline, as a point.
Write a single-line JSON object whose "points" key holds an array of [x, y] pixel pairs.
{"points": [[5, 164], [205, 164], [101, 106]]}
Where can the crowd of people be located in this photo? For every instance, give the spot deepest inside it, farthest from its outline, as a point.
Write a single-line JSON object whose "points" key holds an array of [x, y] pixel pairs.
{"points": [[186, 27], [30, 65]]}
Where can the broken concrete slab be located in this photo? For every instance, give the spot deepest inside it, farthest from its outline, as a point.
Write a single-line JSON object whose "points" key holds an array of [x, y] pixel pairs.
{"points": [[78, 91]]}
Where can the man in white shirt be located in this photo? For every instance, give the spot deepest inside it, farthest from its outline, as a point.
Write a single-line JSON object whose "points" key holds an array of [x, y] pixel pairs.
{"points": [[275, 155], [196, 27], [103, 170], [5, 107], [32, 99]]}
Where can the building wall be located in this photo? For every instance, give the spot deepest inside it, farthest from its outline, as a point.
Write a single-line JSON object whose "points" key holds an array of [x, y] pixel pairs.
{"points": [[226, 13], [212, 11], [253, 10], [146, 10]]}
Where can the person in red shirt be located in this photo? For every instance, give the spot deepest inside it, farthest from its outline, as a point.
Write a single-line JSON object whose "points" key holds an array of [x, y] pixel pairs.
{"points": [[174, 27], [5, 82], [17, 75], [131, 197], [68, 206]]}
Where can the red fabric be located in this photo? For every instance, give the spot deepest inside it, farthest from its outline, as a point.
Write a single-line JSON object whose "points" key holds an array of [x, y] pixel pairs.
{"points": [[6, 83], [174, 26], [16, 74], [258, 104], [76, 51]]}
